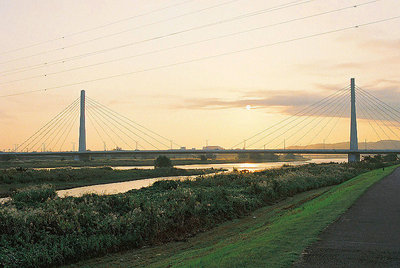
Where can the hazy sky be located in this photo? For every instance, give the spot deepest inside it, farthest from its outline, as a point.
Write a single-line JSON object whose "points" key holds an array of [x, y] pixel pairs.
{"points": [[201, 100]]}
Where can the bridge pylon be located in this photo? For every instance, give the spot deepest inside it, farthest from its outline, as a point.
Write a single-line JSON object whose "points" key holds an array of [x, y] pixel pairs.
{"points": [[354, 156], [82, 127]]}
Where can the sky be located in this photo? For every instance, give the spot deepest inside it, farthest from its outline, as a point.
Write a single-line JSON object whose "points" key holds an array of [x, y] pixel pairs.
{"points": [[197, 72]]}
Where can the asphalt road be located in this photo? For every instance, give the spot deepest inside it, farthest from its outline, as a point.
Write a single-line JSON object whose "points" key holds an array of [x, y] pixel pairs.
{"points": [[367, 235]]}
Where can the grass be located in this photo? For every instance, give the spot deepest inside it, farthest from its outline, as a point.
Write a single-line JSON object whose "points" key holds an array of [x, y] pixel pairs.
{"points": [[273, 236], [279, 236], [64, 178], [58, 231]]}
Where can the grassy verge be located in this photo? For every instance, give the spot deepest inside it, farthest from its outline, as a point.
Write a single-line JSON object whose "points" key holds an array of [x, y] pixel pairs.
{"points": [[12, 179], [275, 238], [53, 231]]}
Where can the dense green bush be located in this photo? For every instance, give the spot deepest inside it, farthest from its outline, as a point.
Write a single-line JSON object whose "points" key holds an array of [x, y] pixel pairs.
{"points": [[162, 162], [34, 194], [59, 231]]}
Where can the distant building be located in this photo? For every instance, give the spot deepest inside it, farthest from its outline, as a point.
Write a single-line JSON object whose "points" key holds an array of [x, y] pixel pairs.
{"points": [[213, 148], [183, 148]]}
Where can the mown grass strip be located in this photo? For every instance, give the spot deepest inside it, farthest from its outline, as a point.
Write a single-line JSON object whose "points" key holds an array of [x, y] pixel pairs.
{"points": [[281, 239]]}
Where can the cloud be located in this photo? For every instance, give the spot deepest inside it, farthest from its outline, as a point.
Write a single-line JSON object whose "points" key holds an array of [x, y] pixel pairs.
{"points": [[286, 102], [313, 104]]}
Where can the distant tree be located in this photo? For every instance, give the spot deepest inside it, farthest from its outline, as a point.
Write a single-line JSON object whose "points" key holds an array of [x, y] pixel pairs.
{"points": [[203, 157], [162, 161]]}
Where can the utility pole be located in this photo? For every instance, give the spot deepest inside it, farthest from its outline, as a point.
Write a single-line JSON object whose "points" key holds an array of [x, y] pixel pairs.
{"points": [[73, 146], [353, 157], [105, 146], [284, 144]]}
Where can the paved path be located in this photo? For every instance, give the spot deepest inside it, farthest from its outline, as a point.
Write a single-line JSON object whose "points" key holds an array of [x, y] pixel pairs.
{"points": [[367, 235]]}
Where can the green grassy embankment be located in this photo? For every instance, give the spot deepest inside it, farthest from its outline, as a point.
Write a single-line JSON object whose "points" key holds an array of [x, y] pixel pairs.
{"points": [[39, 229], [272, 236], [65, 178]]}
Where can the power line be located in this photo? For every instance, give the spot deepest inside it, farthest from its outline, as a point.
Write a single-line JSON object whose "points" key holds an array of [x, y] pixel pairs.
{"points": [[247, 15], [208, 57], [129, 30], [95, 28], [177, 46]]}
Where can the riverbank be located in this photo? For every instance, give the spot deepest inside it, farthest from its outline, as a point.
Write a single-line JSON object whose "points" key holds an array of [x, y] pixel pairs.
{"points": [[273, 236], [66, 178], [48, 163], [59, 231]]}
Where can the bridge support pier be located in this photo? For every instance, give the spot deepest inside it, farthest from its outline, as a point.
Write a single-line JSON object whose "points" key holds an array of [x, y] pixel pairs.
{"points": [[353, 157]]}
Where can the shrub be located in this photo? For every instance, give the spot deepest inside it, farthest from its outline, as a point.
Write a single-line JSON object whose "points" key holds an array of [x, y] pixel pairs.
{"points": [[162, 161], [34, 194]]}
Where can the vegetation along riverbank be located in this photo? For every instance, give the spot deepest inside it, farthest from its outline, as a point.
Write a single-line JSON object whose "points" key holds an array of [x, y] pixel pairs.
{"points": [[54, 231], [65, 178]]}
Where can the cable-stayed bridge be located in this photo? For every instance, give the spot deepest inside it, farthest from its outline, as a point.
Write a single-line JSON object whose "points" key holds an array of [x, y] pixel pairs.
{"points": [[320, 120]]}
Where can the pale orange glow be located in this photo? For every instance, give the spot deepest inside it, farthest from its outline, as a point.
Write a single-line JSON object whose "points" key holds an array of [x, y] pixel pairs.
{"points": [[190, 103]]}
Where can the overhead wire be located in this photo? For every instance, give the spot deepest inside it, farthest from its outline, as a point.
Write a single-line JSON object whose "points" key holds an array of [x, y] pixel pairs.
{"points": [[95, 28], [169, 48], [247, 15], [205, 58]]}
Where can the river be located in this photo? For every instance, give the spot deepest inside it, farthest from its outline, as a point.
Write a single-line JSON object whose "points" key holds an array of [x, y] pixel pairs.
{"points": [[121, 187]]}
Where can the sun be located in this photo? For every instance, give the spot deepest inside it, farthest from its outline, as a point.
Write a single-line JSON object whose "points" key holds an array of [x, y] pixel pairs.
{"points": [[248, 107]]}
